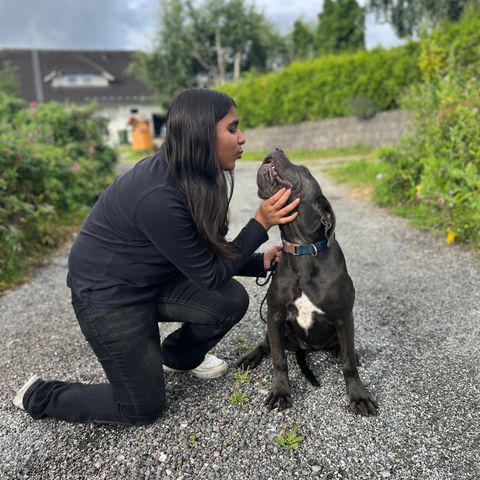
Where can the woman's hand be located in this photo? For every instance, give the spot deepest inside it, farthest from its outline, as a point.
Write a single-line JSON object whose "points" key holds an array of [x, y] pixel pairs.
{"points": [[273, 253], [272, 211]]}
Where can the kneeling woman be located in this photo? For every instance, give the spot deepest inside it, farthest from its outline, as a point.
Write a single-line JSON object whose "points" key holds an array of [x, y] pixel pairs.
{"points": [[152, 250]]}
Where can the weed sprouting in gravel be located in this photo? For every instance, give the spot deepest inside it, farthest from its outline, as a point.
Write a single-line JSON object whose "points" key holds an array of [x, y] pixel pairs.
{"points": [[192, 442], [289, 438]]}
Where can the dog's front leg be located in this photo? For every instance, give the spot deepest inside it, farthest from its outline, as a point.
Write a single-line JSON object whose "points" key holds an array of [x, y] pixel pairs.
{"points": [[280, 393], [361, 402]]}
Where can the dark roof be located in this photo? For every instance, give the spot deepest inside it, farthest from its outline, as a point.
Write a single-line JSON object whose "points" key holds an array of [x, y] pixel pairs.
{"points": [[36, 68]]}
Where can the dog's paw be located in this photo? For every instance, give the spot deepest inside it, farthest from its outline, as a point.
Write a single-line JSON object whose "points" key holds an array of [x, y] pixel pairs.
{"points": [[250, 360], [362, 403], [278, 398]]}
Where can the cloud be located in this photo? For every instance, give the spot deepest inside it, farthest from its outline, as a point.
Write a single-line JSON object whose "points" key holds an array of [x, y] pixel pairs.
{"points": [[101, 24], [129, 24]]}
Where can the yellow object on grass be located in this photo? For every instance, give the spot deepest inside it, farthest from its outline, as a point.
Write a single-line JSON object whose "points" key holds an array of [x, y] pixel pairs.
{"points": [[451, 235]]}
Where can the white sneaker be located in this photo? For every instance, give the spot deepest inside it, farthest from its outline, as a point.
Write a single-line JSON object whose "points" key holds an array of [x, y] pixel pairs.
{"points": [[211, 367], [18, 399]]}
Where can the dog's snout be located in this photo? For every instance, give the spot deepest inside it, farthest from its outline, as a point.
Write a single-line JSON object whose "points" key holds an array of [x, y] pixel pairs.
{"points": [[279, 150]]}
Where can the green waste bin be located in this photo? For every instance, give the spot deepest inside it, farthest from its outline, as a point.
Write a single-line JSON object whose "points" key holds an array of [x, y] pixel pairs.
{"points": [[122, 137]]}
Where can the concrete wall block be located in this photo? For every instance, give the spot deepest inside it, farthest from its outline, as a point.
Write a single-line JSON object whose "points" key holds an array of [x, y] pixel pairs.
{"points": [[384, 128]]}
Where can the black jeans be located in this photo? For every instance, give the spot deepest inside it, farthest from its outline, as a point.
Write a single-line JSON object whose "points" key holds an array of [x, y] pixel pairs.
{"points": [[126, 341]]}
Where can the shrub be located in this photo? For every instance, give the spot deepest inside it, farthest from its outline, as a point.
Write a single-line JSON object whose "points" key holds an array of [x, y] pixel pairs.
{"points": [[53, 165], [436, 166], [452, 45], [434, 173], [323, 87]]}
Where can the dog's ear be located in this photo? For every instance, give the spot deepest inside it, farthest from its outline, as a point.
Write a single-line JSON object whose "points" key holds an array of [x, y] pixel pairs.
{"points": [[327, 217]]}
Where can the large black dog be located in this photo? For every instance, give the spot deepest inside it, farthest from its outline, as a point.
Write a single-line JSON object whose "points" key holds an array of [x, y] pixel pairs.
{"points": [[310, 299]]}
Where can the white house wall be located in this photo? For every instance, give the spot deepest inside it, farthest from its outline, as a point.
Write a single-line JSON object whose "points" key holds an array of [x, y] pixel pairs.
{"points": [[118, 117]]}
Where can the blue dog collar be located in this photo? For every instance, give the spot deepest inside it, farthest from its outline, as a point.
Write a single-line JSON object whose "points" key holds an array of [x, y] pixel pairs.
{"points": [[308, 249]]}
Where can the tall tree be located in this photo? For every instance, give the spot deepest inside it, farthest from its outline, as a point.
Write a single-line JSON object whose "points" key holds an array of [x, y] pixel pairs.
{"points": [[169, 67], [231, 36], [341, 27], [303, 40], [9, 79], [206, 43], [407, 16]]}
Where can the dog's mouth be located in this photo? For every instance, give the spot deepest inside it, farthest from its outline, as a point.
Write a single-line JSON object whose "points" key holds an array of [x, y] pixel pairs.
{"points": [[271, 174]]}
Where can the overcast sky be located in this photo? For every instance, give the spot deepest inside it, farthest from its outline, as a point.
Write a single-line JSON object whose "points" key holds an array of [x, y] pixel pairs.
{"points": [[130, 24]]}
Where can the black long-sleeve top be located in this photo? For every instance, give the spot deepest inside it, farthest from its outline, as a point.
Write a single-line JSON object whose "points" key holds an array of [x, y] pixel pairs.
{"points": [[140, 234]]}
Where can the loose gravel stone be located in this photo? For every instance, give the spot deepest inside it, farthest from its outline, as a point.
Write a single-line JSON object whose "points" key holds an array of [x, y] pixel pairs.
{"points": [[417, 318]]}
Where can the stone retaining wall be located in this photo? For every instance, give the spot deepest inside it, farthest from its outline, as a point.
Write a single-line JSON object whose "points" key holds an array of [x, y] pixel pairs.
{"points": [[384, 128]]}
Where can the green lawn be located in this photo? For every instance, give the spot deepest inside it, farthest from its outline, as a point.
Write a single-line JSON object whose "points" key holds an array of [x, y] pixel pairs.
{"points": [[127, 154], [313, 154], [358, 173]]}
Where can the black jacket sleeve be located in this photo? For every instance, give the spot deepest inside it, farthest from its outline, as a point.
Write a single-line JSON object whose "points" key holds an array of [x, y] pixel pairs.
{"points": [[253, 267], [163, 217]]}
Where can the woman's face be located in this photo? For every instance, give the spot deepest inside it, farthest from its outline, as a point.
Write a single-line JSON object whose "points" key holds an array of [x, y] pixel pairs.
{"points": [[229, 140]]}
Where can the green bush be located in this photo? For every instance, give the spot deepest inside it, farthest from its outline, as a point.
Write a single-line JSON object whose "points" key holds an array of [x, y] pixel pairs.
{"points": [[325, 87], [433, 175], [53, 165], [436, 167], [453, 45]]}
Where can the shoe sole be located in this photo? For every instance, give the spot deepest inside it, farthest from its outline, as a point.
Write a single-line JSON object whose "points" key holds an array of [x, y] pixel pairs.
{"points": [[203, 376], [18, 399]]}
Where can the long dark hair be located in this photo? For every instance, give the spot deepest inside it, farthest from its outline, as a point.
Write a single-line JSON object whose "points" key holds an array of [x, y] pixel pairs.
{"points": [[189, 152]]}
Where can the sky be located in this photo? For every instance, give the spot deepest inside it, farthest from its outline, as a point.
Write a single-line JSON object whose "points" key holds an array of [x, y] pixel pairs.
{"points": [[131, 24]]}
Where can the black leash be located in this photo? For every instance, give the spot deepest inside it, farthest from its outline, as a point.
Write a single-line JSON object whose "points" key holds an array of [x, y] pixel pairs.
{"points": [[272, 268]]}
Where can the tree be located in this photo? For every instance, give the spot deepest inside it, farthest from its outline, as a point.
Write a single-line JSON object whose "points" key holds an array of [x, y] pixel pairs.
{"points": [[407, 17], [205, 44], [9, 79], [303, 41], [228, 36], [169, 67], [341, 27]]}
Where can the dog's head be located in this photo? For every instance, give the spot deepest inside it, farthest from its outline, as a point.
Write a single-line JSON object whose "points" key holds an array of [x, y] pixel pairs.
{"points": [[316, 219]]}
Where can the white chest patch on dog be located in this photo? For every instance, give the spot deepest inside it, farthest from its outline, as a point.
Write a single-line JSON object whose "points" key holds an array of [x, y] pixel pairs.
{"points": [[305, 311]]}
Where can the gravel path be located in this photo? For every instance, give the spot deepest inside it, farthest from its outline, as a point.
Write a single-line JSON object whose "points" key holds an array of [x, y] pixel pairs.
{"points": [[417, 329]]}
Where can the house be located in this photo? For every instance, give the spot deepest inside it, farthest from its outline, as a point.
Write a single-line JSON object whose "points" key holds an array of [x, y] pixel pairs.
{"points": [[81, 77]]}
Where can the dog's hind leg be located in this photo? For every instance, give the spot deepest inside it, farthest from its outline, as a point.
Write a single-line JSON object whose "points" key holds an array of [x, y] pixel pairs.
{"points": [[253, 359], [301, 356]]}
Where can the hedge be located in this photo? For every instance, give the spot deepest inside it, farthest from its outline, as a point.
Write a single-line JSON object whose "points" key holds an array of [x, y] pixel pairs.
{"points": [[325, 87]]}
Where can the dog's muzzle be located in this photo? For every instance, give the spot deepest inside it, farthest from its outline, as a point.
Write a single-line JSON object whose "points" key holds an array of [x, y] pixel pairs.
{"points": [[269, 170]]}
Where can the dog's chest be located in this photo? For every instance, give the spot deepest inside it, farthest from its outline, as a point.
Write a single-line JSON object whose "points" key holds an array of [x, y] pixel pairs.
{"points": [[306, 309]]}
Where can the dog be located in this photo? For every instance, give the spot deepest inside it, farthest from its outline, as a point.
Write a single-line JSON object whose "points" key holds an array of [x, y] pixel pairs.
{"points": [[311, 297]]}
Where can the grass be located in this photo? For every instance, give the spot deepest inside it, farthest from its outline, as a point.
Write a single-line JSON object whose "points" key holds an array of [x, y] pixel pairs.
{"points": [[312, 154], [238, 398], [289, 438], [127, 154], [192, 442], [242, 376], [362, 176], [358, 173]]}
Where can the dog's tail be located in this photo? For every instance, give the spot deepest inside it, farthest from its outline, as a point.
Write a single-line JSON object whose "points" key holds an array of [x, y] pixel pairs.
{"points": [[301, 356]]}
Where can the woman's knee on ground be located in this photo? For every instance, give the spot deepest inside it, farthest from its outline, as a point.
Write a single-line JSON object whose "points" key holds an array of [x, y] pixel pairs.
{"points": [[145, 413]]}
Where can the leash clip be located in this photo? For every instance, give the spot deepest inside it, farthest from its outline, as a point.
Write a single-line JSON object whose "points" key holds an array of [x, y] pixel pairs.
{"points": [[315, 248]]}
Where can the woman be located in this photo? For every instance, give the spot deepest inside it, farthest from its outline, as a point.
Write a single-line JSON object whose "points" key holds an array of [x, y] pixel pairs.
{"points": [[152, 250]]}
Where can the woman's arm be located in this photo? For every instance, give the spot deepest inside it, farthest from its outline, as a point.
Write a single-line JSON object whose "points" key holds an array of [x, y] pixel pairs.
{"points": [[163, 217]]}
